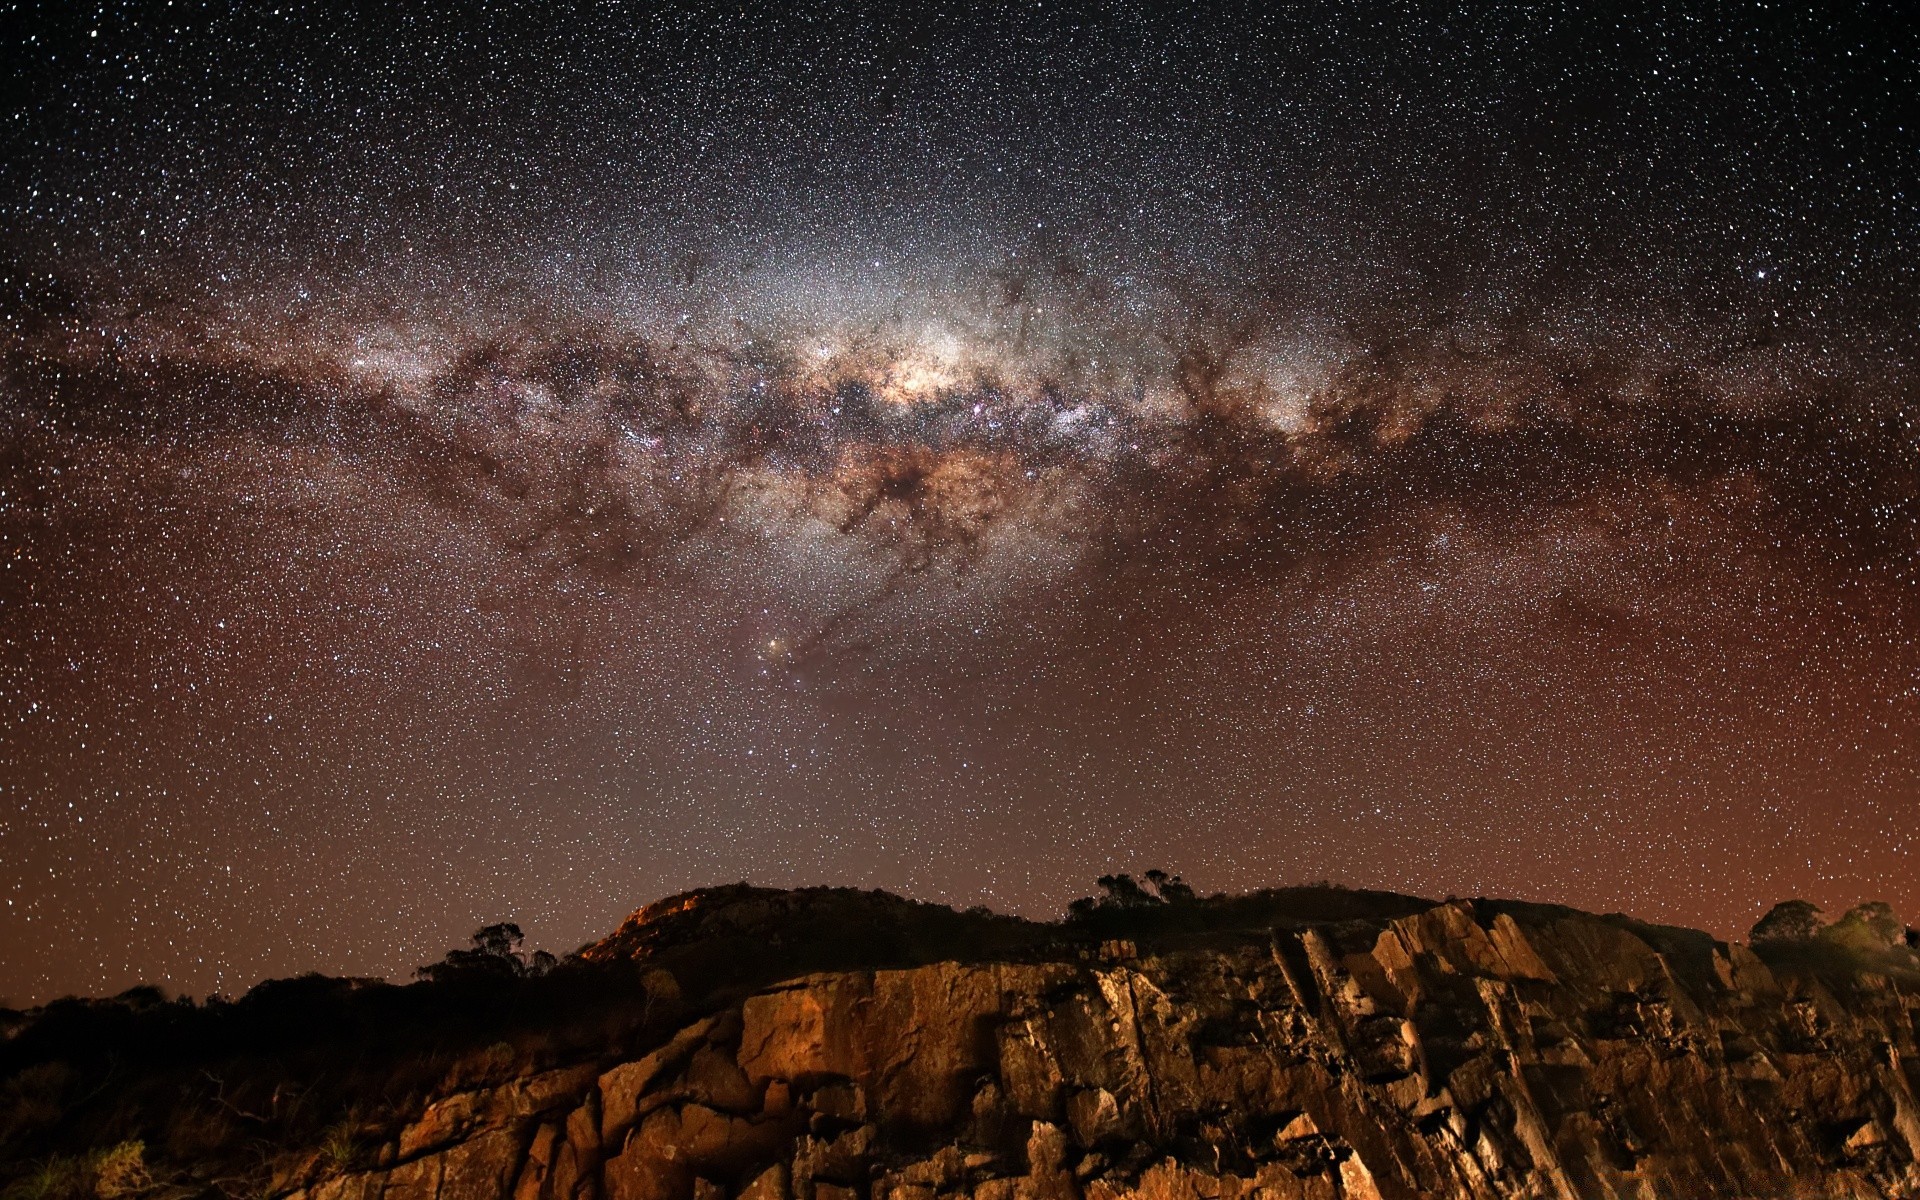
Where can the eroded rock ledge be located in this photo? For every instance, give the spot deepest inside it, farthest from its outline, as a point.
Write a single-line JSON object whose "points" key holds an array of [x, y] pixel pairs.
{"points": [[1453, 1052]]}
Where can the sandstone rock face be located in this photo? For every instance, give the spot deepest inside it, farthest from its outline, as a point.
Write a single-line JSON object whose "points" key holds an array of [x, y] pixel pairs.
{"points": [[1451, 1053]]}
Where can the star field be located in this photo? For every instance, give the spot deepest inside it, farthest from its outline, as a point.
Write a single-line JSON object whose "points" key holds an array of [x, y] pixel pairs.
{"points": [[514, 465]]}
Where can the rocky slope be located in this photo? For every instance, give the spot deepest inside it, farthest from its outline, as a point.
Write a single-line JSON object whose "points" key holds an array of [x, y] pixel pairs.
{"points": [[1445, 1050]]}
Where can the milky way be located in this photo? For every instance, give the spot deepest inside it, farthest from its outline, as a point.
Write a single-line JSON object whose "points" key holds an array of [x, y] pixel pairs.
{"points": [[463, 468]]}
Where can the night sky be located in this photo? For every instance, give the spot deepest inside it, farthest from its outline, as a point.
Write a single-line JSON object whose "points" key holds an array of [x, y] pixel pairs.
{"points": [[458, 467]]}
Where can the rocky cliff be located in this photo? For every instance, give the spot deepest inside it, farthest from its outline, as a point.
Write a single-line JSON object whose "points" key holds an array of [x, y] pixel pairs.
{"points": [[1458, 1050]]}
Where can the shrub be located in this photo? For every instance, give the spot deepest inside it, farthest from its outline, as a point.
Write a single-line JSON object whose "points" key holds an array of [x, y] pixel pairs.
{"points": [[35, 1098], [115, 1172], [341, 1142], [120, 1171]]}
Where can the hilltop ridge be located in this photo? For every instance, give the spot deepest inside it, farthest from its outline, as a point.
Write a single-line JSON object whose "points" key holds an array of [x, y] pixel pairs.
{"points": [[830, 1044]]}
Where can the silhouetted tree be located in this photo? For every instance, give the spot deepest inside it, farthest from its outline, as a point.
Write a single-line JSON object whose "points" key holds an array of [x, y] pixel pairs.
{"points": [[1787, 921], [1170, 888], [142, 996], [495, 954], [1124, 891], [499, 941]]}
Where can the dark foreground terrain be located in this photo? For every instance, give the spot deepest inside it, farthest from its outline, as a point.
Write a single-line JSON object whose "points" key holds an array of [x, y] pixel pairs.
{"points": [[836, 1045]]}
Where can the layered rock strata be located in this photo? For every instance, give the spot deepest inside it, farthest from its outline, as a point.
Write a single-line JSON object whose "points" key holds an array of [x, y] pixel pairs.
{"points": [[1456, 1052]]}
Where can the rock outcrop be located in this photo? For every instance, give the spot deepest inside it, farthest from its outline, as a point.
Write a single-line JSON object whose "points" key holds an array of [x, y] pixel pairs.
{"points": [[1457, 1050]]}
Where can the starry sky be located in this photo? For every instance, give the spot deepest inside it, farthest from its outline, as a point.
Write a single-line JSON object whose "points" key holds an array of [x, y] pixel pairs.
{"points": [[514, 464]]}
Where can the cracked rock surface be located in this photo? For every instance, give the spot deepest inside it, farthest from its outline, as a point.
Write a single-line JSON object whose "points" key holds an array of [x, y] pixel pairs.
{"points": [[1462, 1049]]}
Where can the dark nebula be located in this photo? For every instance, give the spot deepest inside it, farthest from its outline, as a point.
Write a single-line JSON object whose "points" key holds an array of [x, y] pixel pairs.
{"points": [[467, 466]]}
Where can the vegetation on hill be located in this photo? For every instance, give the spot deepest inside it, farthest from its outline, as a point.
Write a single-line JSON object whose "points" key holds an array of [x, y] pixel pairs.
{"points": [[143, 1094]]}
